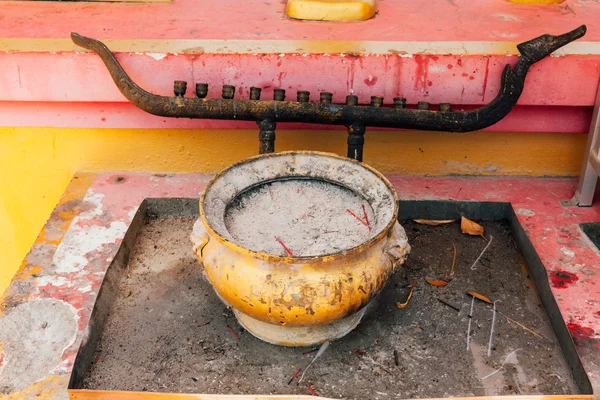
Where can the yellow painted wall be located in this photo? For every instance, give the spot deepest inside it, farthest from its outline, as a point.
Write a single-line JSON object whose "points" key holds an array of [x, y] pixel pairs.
{"points": [[36, 164]]}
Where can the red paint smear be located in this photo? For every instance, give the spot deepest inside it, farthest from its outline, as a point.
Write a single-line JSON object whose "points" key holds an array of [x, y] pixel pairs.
{"points": [[597, 314], [450, 66], [312, 390], [459, 62], [580, 333], [352, 70], [397, 77], [562, 279], [485, 78], [371, 82], [465, 74], [280, 77], [350, 76], [2, 355], [471, 77], [421, 71], [429, 83]]}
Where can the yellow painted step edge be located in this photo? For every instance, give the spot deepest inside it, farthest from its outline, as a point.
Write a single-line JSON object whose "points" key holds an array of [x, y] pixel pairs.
{"points": [[330, 10]]}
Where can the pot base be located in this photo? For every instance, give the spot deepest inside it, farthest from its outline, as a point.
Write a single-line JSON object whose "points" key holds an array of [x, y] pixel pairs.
{"points": [[296, 336]]}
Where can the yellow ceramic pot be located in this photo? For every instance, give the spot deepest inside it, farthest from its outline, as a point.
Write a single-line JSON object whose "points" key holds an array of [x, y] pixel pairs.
{"points": [[299, 301]]}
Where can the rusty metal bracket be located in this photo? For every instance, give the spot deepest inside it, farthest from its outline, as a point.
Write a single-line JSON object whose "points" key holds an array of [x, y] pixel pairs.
{"points": [[356, 118]]}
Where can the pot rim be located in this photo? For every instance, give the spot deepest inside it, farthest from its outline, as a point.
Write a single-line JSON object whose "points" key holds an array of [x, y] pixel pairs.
{"points": [[299, 259]]}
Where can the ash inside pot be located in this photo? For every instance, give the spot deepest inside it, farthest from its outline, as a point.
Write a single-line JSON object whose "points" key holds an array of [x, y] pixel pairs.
{"points": [[308, 217]]}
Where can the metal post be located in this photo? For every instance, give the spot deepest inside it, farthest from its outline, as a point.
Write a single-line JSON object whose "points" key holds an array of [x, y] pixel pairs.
{"points": [[588, 178], [266, 136], [356, 141]]}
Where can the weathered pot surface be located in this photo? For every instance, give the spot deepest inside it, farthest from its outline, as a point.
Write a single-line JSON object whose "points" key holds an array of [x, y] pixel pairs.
{"points": [[299, 300]]}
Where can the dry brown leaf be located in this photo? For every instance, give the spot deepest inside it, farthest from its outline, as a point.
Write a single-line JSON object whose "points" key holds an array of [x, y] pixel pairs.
{"points": [[470, 228], [405, 304], [480, 297], [437, 282], [434, 222]]}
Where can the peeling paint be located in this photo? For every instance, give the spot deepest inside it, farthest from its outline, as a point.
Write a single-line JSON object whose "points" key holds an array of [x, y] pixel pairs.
{"points": [[525, 212], [157, 56], [567, 252], [84, 289], [54, 280], [82, 238], [508, 17]]}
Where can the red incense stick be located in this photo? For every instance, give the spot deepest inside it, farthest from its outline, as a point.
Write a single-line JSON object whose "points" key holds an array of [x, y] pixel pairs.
{"points": [[359, 218], [285, 247]]}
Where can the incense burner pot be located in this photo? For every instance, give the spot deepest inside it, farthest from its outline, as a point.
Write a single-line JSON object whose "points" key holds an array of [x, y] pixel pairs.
{"points": [[299, 300]]}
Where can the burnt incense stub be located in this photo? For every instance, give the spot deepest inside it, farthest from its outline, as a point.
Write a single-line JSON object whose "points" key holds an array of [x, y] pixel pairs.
{"points": [[299, 243]]}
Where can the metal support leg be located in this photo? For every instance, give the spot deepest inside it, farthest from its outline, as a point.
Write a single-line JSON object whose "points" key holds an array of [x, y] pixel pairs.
{"points": [[589, 176], [356, 141], [266, 136], [586, 188]]}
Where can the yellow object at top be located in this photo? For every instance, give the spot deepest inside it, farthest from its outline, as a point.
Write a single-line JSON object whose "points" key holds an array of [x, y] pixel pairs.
{"points": [[536, 1], [330, 10]]}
